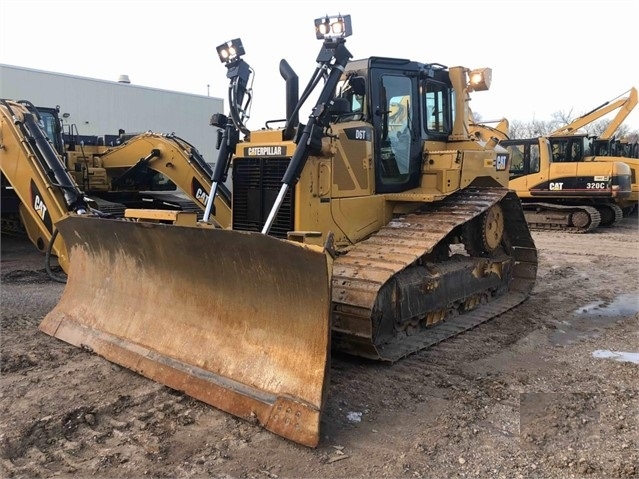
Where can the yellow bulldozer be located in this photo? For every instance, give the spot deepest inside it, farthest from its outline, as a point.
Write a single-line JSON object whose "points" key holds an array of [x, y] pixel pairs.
{"points": [[379, 227]]}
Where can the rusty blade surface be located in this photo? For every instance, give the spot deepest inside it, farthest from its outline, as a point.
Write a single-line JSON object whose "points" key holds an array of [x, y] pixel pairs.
{"points": [[238, 320]]}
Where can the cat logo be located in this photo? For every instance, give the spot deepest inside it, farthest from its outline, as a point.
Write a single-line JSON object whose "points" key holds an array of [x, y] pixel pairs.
{"points": [[199, 192], [40, 207], [502, 161], [556, 186], [202, 196]]}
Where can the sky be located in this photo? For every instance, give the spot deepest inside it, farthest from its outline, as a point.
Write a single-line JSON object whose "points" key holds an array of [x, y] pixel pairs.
{"points": [[546, 56]]}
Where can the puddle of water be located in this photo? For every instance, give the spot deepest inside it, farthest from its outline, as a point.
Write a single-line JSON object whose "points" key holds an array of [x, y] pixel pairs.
{"points": [[623, 305], [590, 320], [617, 355]]}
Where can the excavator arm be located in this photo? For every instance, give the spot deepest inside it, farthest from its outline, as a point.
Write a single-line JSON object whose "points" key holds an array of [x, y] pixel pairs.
{"points": [[171, 156], [33, 168], [624, 105], [484, 132]]}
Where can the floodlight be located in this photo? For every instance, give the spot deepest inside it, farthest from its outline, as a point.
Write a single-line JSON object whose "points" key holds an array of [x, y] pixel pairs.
{"points": [[480, 79], [219, 120], [333, 27], [230, 51]]}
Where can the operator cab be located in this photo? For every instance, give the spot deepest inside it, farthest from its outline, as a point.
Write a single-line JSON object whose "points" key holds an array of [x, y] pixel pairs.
{"points": [[407, 103], [52, 126], [569, 149], [525, 156]]}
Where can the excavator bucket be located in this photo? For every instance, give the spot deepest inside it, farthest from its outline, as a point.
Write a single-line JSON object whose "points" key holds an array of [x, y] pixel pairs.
{"points": [[238, 320]]}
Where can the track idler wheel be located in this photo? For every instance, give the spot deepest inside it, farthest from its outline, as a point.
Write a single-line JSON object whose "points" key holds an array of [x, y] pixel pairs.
{"points": [[581, 219], [484, 234], [492, 223]]}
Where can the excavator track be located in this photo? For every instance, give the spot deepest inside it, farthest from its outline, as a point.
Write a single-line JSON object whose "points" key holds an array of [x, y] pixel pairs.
{"points": [[111, 208], [10, 225], [363, 278], [610, 214], [569, 219]]}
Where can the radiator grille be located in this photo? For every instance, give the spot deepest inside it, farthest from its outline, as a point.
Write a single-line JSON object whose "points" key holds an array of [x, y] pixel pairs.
{"points": [[256, 183]]}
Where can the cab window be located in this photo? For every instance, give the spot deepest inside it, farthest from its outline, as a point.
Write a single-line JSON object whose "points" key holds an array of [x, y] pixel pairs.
{"points": [[396, 140], [437, 108]]}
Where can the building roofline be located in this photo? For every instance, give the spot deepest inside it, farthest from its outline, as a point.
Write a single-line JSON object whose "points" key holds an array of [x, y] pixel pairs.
{"points": [[110, 82]]}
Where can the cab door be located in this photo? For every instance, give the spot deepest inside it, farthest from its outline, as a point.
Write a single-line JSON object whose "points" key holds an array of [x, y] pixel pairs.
{"points": [[397, 139]]}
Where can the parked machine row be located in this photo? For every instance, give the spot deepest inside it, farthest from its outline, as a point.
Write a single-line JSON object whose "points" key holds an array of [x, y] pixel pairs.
{"points": [[563, 184]]}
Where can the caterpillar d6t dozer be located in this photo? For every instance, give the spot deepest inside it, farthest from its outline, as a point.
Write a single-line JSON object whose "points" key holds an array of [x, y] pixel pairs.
{"points": [[378, 228]]}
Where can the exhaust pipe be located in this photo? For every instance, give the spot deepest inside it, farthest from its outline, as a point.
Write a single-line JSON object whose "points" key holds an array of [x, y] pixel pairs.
{"points": [[292, 97]]}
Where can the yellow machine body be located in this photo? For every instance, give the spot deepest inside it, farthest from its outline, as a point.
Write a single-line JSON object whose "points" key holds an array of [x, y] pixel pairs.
{"points": [[364, 231]]}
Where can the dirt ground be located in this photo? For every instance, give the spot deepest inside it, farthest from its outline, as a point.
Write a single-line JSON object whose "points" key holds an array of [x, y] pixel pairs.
{"points": [[541, 391]]}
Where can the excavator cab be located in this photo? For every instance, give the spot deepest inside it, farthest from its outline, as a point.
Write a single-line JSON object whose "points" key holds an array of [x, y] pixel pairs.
{"points": [[50, 119], [570, 148]]}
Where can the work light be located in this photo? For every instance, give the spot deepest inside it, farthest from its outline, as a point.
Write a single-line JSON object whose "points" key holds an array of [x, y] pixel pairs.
{"points": [[333, 27], [230, 51], [480, 79]]}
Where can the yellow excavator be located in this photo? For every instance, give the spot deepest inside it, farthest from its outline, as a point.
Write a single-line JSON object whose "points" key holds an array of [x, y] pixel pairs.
{"points": [[379, 227], [35, 183], [561, 192], [134, 170], [604, 148], [38, 164], [558, 189], [147, 170]]}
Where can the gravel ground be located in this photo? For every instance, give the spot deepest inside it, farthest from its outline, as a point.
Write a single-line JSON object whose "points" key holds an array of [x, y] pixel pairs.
{"points": [[549, 390]]}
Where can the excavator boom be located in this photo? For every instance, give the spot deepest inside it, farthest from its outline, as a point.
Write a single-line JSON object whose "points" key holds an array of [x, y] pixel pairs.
{"points": [[126, 167], [625, 106], [37, 176]]}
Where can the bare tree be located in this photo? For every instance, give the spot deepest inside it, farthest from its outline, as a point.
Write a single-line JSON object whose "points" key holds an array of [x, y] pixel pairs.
{"points": [[535, 128], [562, 118]]}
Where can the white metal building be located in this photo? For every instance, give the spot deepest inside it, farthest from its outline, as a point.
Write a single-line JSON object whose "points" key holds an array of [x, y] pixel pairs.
{"points": [[99, 107]]}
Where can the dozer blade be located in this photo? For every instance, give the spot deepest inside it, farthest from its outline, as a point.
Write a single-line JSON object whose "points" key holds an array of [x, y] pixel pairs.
{"points": [[238, 320]]}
